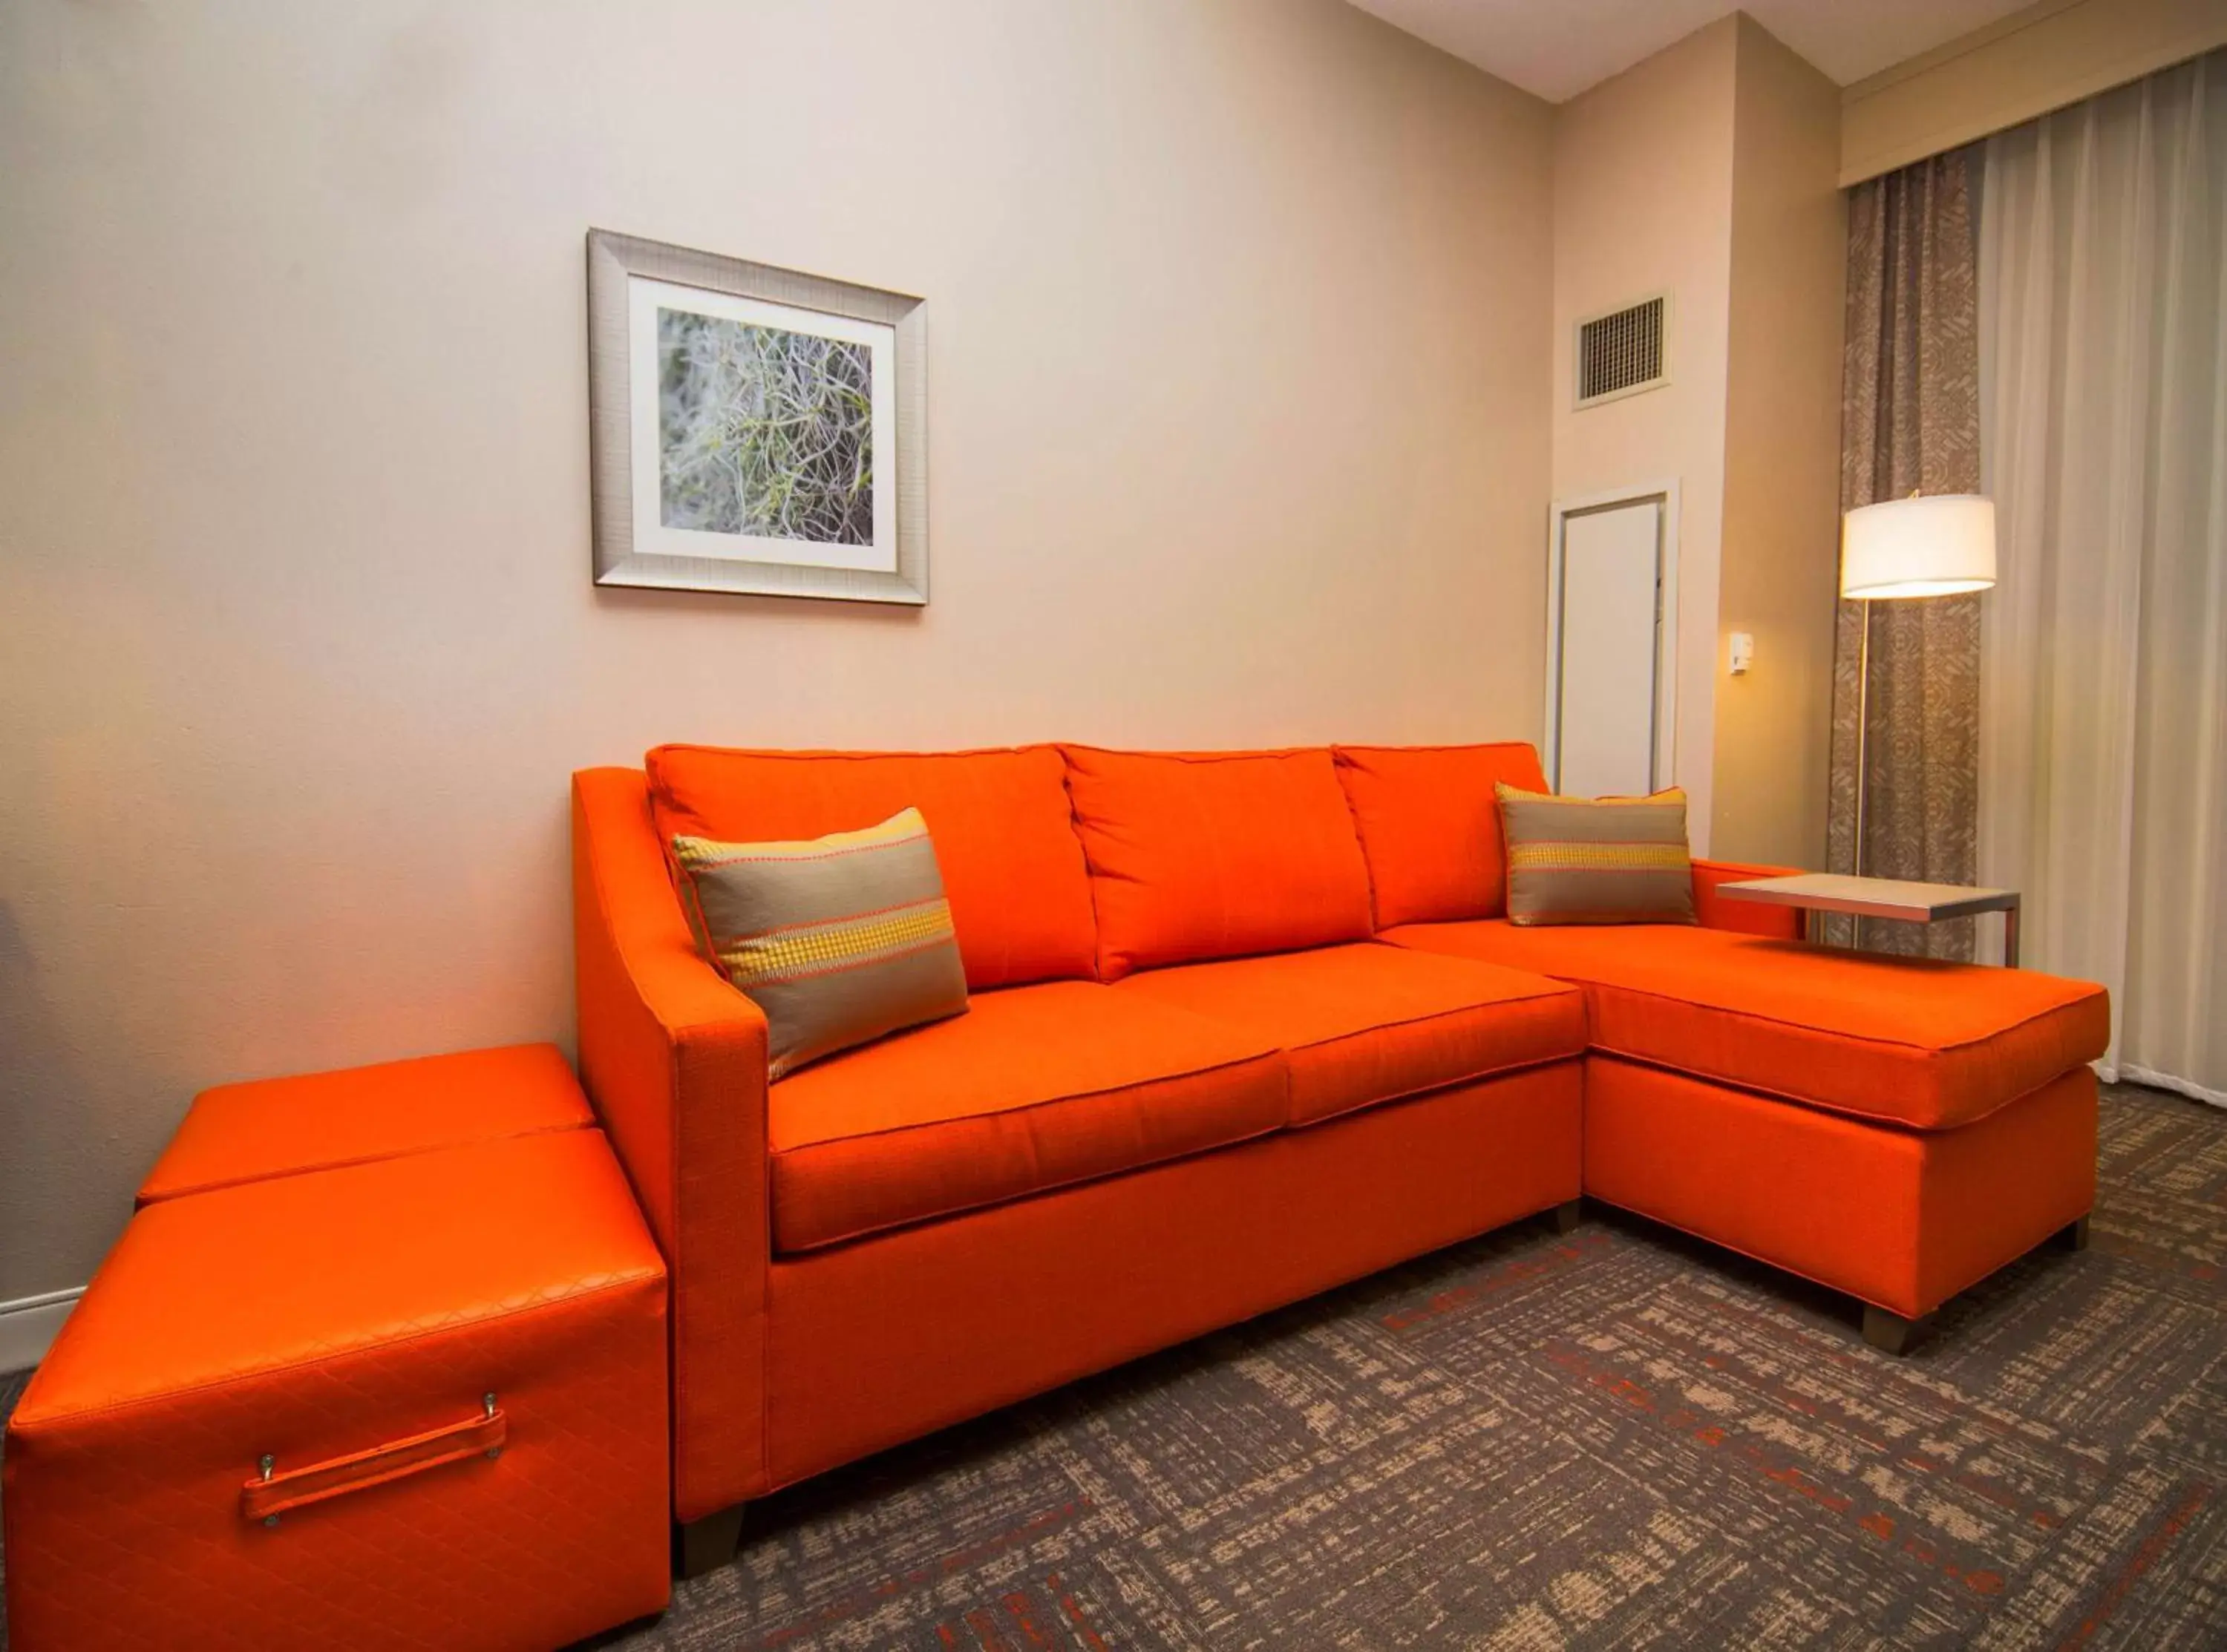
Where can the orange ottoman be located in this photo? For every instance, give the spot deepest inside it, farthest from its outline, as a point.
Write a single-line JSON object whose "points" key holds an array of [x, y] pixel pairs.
{"points": [[245, 1132], [416, 1402]]}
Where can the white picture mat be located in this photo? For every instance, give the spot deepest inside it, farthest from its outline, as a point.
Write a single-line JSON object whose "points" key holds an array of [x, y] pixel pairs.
{"points": [[645, 297]]}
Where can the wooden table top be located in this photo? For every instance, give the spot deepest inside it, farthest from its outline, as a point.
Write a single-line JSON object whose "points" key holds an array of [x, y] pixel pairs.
{"points": [[1872, 897]]}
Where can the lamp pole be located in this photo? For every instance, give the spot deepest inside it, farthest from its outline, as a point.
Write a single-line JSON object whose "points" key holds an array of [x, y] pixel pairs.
{"points": [[1863, 733]]}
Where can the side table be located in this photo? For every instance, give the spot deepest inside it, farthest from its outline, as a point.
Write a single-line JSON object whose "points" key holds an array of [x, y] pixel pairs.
{"points": [[1817, 893]]}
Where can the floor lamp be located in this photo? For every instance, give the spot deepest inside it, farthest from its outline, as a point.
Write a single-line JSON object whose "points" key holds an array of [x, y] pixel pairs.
{"points": [[1928, 544]]}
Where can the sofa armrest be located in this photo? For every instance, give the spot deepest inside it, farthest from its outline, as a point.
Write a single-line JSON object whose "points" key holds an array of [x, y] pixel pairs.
{"points": [[674, 1060], [1713, 911]]}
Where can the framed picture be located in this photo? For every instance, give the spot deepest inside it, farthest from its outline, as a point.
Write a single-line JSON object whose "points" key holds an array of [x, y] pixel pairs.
{"points": [[753, 429]]}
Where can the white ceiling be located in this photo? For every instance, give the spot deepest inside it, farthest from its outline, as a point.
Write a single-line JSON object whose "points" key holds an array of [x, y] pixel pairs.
{"points": [[1556, 49]]}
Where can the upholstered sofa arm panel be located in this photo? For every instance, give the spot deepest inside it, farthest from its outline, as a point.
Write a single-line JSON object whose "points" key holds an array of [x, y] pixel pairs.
{"points": [[674, 1060], [1713, 911]]}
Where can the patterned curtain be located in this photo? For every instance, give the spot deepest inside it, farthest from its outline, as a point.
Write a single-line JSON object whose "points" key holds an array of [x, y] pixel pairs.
{"points": [[1910, 422]]}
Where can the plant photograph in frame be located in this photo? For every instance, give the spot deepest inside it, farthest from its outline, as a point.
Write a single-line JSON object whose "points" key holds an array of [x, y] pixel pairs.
{"points": [[753, 429], [764, 431]]}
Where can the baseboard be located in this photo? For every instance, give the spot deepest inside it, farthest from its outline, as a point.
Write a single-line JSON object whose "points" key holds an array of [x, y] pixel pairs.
{"points": [[28, 1326], [2186, 1087]]}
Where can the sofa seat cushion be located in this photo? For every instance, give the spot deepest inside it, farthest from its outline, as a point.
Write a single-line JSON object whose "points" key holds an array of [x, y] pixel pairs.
{"points": [[1367, 1023], [1035, 1087], [1916, 1042], [1004, 841]]}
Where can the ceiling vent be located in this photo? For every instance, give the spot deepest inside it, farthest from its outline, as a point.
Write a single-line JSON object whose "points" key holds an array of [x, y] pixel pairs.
{"points": [[1623, 352]]}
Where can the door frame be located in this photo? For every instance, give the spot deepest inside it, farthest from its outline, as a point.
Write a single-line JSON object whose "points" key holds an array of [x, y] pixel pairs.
{"points": [[1663, 770]]}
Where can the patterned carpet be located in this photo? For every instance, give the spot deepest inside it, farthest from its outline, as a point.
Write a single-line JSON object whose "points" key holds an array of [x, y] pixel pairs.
{"points": [[1618, 1439]]}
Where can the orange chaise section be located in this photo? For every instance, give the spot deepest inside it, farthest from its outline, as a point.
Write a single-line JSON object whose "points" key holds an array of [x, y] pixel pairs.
{"points": [[1902, 1219], [1897, 1128], [1917, 1042]]}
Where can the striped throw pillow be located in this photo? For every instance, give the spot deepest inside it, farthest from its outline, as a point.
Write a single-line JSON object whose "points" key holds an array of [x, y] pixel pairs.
{"points": [[839, 939], [1618, 860]]}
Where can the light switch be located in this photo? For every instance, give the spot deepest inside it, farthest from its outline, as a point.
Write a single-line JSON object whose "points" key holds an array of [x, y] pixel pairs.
{"points": [[1743, 652]]}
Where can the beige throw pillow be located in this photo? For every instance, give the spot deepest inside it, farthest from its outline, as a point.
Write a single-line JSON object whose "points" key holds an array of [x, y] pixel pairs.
{"points": [[839, 939], [1618, 860]]}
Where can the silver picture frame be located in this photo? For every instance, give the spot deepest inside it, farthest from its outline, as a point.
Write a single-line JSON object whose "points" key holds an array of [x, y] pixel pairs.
{"points": [[617, 264]]}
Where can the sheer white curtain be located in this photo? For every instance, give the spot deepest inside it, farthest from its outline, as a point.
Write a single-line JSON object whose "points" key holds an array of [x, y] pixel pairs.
{"points": [[2103, 439]]}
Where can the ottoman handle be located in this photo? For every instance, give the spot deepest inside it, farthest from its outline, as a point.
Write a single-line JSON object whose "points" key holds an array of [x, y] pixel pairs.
{"points": [[269, 1494]]}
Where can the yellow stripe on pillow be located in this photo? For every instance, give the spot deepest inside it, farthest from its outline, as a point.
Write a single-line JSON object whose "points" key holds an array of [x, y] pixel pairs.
{"points": [[1600, 857], [805, 949]]}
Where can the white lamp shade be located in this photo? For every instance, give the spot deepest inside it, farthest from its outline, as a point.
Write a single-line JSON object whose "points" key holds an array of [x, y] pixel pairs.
{"points": [[1936, 544]]}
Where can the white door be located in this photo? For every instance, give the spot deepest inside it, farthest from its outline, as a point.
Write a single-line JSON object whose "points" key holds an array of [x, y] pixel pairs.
{"points": [[1607, 723]]}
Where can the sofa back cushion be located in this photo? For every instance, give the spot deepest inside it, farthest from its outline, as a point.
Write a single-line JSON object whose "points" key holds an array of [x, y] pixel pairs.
{"points": [[1200, 855], [1429, 824], [1012, 870]]}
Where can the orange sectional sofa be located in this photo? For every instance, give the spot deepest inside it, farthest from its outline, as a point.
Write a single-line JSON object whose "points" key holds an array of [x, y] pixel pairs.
{"points": [[1244, 1025]]}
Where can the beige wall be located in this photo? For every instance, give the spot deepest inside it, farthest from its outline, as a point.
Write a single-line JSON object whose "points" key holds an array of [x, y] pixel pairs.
{"points": [[1644, 200], [1778, 567], [2050, 55], [1239, 350], [1708, 168]]}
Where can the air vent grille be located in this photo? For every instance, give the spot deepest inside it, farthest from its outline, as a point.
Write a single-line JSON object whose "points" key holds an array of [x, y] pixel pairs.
{"points": [[1623, 352]]}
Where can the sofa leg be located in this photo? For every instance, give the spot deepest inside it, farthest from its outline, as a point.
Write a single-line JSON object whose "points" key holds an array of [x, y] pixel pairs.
{"points": [[1566, 1215], [705, 1544], [1892, 1333], [2073, 1236]]}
